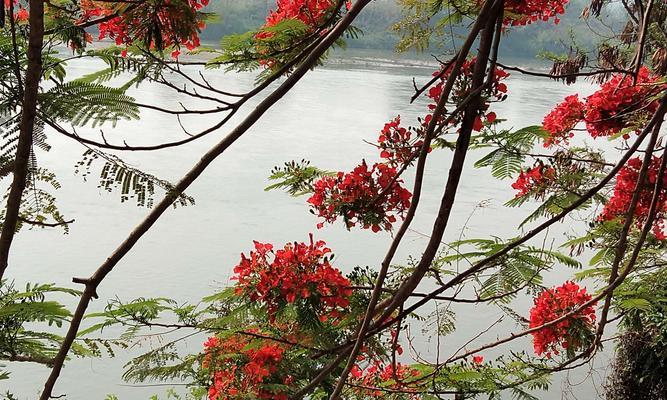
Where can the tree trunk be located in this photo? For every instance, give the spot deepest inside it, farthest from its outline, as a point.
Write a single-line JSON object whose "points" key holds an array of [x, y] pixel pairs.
{"points": [[27, 124]]}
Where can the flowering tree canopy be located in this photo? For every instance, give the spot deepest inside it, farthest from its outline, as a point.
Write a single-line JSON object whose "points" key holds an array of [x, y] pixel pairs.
{"points": [[294, 321]]}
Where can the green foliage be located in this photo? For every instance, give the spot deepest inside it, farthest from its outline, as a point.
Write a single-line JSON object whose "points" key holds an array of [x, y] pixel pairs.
{"points": [[572, 171], [501, 280], [441, 25], [115, 174], [38, 206], [237, 17], [510, 151], [86, 101], [244, 51], [639, 369], [22, 312], [296, 178], [427, 22], [516, 373], [163, 364], [82, 103], [138, 65], [272, 47], [135, 315], [226, 314], [442, 322]]}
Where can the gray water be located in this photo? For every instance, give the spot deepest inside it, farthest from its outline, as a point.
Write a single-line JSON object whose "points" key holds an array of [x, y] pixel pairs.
{"points": [[191, 251]]}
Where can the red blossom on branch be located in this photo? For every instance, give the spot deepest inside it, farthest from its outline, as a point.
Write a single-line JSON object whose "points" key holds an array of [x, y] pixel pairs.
{"points": [[311, 12], [570, 333], [562, 119], [524, 12], [620, 102], [239, 369], [22, 15], [369, 381], [366, 196], [396, 143], [157, 24], [626, 182], [496, 91], [533, 179], [298, 272]]}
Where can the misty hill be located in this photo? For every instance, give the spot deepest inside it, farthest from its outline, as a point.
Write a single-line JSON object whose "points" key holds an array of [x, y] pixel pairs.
{"points": [[237, 16]]}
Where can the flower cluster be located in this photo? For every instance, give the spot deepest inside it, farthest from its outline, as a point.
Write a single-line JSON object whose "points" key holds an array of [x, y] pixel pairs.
{"points": [[311, 12], [620, 101], [240, 368], [533, 178], [524, 12], [298, 272], [619, 104], [562, 119], [368, 381], [21, 15], [396, 143], [371, 197], [462, 87], [626, 183], [157, 24], [570, 333]]}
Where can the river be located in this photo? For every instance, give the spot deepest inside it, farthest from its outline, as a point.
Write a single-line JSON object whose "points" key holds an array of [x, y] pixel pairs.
{"points": [[191, 250]]}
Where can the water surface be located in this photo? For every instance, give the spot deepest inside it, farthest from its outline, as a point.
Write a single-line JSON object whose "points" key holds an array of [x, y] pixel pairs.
{"points": [[191, 251]]}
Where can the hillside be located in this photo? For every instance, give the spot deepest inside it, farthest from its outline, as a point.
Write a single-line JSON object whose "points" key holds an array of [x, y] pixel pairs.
{"points": [[236, 16]]}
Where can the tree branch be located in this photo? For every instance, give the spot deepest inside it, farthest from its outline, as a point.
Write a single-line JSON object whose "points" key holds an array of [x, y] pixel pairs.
{"points": [[24, 146]]}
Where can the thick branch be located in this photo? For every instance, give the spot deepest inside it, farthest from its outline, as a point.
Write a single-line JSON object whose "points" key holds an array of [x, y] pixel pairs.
{"points": [[641, 42], [455, 172], [621, 246], [439, 110], [31, 359], [45, 224], [28, 114]]}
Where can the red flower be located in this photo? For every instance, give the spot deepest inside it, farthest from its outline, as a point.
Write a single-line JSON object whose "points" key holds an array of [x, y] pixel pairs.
{"points": [[478, 359], [562, 119], [462, 88], [552, 304], [298, 272], [396, 143], [313, 13], [178, 25], [241, 367], [626, 183], [310, 12], [524, 12], [378, 375], [533, 179], [370, 197], [619, 102], [22, 15]]}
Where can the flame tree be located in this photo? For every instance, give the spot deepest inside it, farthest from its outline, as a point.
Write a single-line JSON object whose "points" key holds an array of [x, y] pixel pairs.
{"points": [[292, 325]]}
